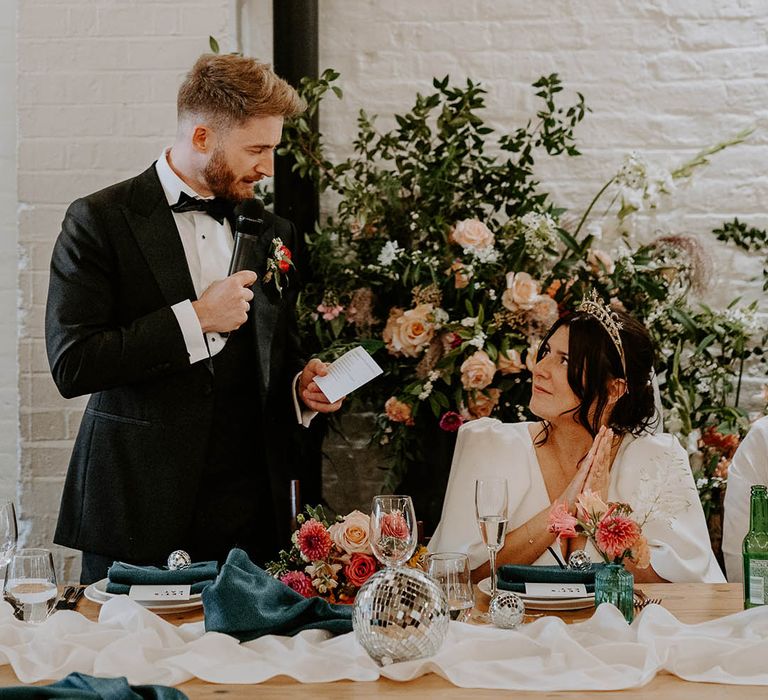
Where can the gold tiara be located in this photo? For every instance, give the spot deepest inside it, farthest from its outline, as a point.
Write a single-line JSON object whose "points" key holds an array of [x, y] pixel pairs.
{"points": [[594, 306]]}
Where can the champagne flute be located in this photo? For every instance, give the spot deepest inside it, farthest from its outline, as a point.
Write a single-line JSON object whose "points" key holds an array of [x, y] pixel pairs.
{"points": [[393, 529], [491, 511], [8, 532], [451, 571], [30, 586]]}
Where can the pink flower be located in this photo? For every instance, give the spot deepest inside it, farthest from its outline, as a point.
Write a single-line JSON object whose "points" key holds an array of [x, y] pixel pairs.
{"points": [[451, 421], [299, 582], [641, 553], [360, 568], [615, 535], [313, 540], [561, 522], [329, 312], [394, 525]]}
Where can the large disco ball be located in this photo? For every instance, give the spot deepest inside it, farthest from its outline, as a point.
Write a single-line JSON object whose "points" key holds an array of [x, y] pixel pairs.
{"points": [[400, 614]]}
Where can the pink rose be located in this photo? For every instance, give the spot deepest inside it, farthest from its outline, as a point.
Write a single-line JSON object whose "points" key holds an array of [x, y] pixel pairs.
{"points": [[561, 522], [472, 233], [615, 535], [394, 525], [360, 568], [351, 535], [407, 333], [451, 421], [482, 403], [397, 411], [477, 371], [510, 362], [521, 292]]}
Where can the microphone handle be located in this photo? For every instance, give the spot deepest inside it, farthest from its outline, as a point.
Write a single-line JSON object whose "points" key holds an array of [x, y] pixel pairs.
{"points": [[244, 252]]}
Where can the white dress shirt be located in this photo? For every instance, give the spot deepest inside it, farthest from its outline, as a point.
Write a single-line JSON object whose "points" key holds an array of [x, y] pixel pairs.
{"points": [[208, 250]]}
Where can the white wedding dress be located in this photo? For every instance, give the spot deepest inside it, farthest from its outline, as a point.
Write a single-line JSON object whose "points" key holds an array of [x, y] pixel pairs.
{"points": [[648, 468]]}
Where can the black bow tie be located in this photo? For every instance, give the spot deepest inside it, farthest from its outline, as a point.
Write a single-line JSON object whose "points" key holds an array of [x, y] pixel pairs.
{"points": [[217, 207]]}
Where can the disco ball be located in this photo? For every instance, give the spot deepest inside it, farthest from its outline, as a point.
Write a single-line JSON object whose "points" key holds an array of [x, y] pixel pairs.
{"points": [[400, 614], [579, 561], [179, 560], [507, 610]]}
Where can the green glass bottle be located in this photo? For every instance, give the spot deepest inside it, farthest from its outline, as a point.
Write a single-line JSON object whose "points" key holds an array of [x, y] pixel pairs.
{"points": [[755, 550]]}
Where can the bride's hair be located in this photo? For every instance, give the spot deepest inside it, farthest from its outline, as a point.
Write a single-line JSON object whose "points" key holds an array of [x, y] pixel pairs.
{"points": [[593, 360]]}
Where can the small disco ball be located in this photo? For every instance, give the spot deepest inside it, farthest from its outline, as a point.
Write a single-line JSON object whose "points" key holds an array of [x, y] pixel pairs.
{"points": [[507, 610], [400, 614], [579, 561], [179, 560]]}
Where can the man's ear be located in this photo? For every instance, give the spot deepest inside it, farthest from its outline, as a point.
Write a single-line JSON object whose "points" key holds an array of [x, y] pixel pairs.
{"points": [[202, 138]]}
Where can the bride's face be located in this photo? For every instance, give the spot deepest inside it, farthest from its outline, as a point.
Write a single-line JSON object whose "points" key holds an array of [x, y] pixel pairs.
{"points": [[551, 395]]}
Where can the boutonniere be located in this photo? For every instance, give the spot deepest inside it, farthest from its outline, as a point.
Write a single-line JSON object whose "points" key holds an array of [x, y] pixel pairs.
{"points": [[278, 264]]}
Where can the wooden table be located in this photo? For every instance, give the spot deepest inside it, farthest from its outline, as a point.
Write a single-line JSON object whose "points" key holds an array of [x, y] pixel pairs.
{"points": [[691, 603]]}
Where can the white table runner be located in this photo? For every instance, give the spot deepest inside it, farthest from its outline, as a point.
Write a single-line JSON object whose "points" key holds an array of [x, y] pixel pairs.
{"points": [[602, 653]]}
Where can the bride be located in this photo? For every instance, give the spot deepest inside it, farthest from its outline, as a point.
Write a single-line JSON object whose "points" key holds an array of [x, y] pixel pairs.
{"points": [[593, 394]]}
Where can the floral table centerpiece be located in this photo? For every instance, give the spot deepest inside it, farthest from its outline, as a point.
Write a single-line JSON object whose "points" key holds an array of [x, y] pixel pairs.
{"points": [[332, 558]]}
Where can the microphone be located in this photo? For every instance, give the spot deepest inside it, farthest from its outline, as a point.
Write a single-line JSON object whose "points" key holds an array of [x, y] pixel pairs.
{"points": [[249, 225]]}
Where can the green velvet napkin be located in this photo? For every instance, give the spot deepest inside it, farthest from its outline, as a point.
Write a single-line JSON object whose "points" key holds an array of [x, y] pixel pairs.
{"points": [[513, 577], [123, 576], [246, 602], [82, 687]]}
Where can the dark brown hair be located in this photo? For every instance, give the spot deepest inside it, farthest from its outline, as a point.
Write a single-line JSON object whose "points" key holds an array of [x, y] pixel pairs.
{"points": [[230, 89], [593, 361]]}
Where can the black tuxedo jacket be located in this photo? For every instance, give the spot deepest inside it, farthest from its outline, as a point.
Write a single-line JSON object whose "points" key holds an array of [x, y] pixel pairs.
{"points": [[135, 473]]}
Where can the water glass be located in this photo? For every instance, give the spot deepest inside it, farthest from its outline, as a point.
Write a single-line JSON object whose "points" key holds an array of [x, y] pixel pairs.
{"points": [[451, 571], [30, 585], [393, 529], [8, 532]]}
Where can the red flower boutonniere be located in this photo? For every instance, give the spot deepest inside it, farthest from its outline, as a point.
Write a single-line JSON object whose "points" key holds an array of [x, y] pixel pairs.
{"points": [[278, 264]]}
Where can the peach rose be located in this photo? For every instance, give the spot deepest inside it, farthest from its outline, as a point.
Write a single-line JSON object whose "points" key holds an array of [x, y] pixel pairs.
{"points": [[641, 553], [472, 233], [544, 311], [481, 405], [521, 292], [510, 362], [408, 333], [600, 262], [590, 503], [397, 411], [352, 534], [477, 371]]}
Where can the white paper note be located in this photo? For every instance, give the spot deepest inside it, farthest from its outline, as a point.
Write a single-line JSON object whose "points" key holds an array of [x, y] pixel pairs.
{"points": [[347, 373], [555, 590], [160, 593]]}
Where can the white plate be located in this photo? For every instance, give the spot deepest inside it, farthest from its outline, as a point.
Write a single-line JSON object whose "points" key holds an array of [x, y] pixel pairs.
{"points": [[579, 603], [97, 592]]}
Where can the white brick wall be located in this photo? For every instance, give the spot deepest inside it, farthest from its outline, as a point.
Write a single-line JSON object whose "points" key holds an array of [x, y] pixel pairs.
{"points": [[97, 83], [96, 104]]}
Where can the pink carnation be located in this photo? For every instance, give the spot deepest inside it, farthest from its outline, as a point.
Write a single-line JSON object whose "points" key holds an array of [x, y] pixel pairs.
{"points": [[394, 525], [313, 540], [451, 421], [615, 535], [299, 582], [561, 522]]}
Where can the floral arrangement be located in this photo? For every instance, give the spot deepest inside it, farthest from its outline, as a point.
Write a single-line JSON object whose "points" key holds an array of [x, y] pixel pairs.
{"points": [[445, 258], [332, 559], [609, 526]]}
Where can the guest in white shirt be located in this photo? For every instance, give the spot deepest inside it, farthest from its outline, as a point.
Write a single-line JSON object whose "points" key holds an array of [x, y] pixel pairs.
{"points": [[592, 391], [749, 466]]}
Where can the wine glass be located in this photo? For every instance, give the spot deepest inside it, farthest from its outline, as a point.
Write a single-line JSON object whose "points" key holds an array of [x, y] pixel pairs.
{"points": [[393, 529], [30, 585], [491, 511], [451, 571], [8, 532]]}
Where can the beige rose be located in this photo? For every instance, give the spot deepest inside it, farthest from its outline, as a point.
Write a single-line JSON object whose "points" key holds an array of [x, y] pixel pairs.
{"points": [[408, 333], [544, 311], [481, 405], [510, 362], [477, 371], [600, 262], [397, 411], [521, 292], [351, 535], [472, 233]]}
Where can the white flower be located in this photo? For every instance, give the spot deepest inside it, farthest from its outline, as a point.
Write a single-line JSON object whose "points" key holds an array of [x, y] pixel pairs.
{"points": [[492, 294], [595, 230], [439, 317], [389, 253], [469, 321], [478, 341], [433, 376], [484, 255]]}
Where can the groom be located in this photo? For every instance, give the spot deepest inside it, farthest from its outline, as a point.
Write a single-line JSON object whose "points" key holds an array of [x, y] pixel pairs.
{"points": [[195, 377]]}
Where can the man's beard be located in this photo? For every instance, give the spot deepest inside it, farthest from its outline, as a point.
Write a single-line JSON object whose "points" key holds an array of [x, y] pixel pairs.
{"points": [[220, 178]]}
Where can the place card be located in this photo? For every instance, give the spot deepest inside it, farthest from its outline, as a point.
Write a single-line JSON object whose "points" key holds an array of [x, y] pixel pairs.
{"points": [[347, 373], [556, 590], [159, 593]]}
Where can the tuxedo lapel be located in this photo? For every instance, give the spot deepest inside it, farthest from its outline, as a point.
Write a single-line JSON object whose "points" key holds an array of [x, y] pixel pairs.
{"points": [[265, 308], [151, 222]]}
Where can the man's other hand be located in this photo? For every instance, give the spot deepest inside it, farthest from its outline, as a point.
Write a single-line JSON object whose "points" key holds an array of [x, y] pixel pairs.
{"points": [[310, 393], [223, 307]]}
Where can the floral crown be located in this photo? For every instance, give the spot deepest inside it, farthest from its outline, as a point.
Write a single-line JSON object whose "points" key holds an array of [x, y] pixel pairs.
{"points": [[594, 306]]}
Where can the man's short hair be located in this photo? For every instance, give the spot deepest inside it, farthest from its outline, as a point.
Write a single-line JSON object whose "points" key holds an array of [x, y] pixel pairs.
{"points": [[230, 89]]}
